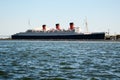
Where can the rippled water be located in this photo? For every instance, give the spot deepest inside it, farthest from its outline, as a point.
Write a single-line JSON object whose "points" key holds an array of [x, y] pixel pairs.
{"points": [[59, 60]]}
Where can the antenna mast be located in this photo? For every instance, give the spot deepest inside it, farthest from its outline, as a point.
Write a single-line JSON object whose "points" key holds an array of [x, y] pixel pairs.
{"points": [[29, 22], [86, 24]]}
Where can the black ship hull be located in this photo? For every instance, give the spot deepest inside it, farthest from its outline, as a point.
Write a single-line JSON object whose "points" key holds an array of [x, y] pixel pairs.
{"points": [[92, 36]]}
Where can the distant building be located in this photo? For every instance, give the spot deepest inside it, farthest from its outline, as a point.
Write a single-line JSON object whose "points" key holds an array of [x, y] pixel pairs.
{"points": [[5, 36], [118, 37]]}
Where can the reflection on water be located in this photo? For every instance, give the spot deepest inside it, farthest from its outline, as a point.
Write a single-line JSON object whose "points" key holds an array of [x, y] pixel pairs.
{"points": [[59, 60]]}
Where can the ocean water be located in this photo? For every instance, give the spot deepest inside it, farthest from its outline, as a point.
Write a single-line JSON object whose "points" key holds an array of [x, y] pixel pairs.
{"points": [[59, 60]]}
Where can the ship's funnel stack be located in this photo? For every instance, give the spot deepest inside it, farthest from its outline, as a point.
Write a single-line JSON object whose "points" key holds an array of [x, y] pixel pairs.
{"points": [[71, 26], [57, 26], [44, 27]]}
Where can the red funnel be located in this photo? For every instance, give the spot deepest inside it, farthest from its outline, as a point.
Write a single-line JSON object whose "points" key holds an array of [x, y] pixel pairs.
{"points": [[44, 27], [71, 26], [57, 26]]}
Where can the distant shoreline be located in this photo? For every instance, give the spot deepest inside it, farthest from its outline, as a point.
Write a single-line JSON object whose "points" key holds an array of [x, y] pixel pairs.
{"points": [[55, 40]]}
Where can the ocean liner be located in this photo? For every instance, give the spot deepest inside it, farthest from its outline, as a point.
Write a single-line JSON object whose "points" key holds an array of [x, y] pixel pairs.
{"points": [[73, 33]]}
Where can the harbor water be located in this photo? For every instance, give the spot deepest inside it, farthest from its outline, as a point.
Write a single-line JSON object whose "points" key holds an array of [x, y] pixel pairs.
{"points": [[59, 60]]}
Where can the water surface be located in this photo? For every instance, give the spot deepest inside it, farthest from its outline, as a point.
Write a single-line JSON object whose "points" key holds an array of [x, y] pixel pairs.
{"points": [[59, 60]]}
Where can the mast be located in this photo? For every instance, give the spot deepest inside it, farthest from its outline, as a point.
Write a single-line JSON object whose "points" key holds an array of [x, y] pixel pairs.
{"points": [[108, 31], [86, 25], [29, 22]]}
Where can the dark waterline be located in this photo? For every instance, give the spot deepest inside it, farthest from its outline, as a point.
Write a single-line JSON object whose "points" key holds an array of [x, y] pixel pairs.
{"points": [[59, 60]]}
